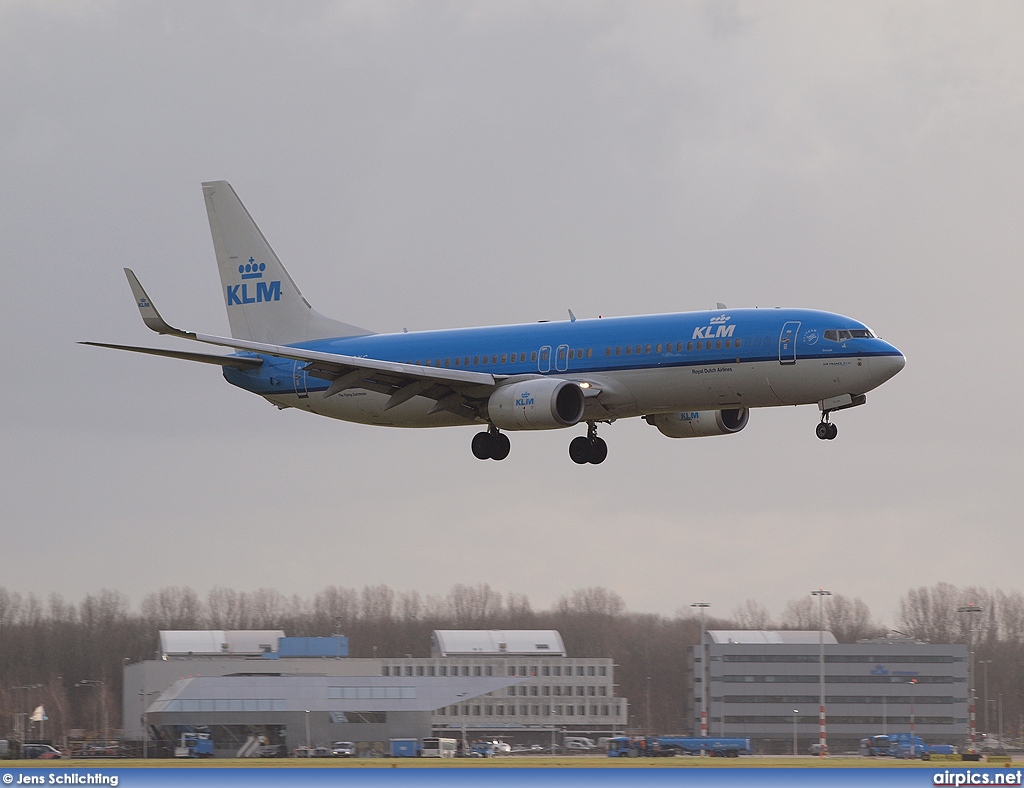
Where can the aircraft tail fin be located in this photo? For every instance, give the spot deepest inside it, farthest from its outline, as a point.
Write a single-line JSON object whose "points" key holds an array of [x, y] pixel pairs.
{"points": [[263, 303]]}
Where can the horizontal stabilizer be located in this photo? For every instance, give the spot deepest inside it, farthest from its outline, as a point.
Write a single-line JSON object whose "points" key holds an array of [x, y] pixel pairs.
{"points": [[234, 362]]}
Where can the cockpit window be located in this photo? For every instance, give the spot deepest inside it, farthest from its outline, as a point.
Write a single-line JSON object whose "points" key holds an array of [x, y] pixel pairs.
{"points": [[842, 334]]}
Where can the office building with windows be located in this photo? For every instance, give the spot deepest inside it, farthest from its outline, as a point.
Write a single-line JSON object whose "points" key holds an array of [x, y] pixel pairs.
{"points": [[519, 685], [765, 685]]}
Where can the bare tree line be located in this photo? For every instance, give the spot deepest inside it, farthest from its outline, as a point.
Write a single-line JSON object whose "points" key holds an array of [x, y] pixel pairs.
{"points": [[48, 648]]}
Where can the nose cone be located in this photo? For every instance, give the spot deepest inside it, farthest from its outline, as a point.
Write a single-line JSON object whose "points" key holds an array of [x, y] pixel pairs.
{"points": [[888, 364]]}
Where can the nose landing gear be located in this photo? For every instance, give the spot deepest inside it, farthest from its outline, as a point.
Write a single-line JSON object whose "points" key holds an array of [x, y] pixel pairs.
{"points": [[491, 445], [590, 449]]}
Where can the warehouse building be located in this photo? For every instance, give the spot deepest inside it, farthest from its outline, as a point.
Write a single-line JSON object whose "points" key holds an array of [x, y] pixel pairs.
{"points": [[765, 685]]}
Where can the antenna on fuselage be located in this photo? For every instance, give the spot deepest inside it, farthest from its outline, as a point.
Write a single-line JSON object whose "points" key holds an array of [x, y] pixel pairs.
{"points": [[572, 317], [720, 305]]}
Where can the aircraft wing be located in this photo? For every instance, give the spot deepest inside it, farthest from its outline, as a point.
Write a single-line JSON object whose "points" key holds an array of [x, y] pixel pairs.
{"points": [[457, 391]]}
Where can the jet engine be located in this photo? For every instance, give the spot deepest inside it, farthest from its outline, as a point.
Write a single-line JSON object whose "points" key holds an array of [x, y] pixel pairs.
{"points": [[536, 404], [699, 424]]}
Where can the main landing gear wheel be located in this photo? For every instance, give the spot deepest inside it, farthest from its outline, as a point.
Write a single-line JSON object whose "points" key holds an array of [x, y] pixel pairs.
{"points": [[826, 431], [590, 449], [491, 446]]}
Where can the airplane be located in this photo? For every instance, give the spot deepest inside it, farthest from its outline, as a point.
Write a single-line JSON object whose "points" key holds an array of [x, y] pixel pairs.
{"points": [[688, 374]]}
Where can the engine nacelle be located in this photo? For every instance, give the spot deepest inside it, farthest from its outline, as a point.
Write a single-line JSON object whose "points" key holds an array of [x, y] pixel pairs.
{"points": [[700, 424], [536, 404]]}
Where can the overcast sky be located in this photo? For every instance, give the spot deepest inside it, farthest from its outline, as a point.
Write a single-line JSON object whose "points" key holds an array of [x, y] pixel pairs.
{"points": [[430, 165]]}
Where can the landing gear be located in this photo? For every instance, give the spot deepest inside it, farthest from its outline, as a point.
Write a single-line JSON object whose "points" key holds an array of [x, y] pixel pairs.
{"points": [[590, 449], [826, 430], [491, 445]]}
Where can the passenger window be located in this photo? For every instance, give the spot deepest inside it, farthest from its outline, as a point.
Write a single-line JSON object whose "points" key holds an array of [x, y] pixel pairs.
{"points": [[476, 360], [572, 353], [638, 349], [590, 352], [629, 349], [607, 351], [579, 353], [544, 354], [618, 351], [447, 362], [689, 346], [466, 362], [504, 358], [700, 346], [533, 356], [738, 342], [757, 341], [437, 362], [658, 348], [494, 359], [456, 362], [485, 359], [718, 344], [647, 348], [728, 343]]}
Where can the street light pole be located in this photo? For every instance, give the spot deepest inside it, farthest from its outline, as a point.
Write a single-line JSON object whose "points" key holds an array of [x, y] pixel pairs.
{"points": [[913, 747], [795, 712], [649, 731], [821, 594], [970, 610], [984, 673], [95, 684], [702, 606]]}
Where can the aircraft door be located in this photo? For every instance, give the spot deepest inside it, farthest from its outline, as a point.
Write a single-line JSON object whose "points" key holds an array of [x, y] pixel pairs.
{"points": [[562, 358], [299, 378], [544, 359], [787, 342]]}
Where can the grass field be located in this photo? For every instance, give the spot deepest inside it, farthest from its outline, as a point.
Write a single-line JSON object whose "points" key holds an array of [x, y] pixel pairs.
{"points": [[544, 762]]}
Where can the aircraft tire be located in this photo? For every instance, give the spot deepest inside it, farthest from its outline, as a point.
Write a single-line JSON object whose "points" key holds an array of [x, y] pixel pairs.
{"points": [[483, 445], [822, 431], [833, 430], [579, 450], [598, 451], [500, 446]]}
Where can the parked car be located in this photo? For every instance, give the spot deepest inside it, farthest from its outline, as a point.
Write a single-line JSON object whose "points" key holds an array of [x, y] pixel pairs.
{"points": [[343, 749], [42, 751]]}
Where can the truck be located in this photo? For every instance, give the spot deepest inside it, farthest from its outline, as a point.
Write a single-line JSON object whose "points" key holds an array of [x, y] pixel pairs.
{"points": [[194, 745], [902, 745], [404, 748], [661, 746]]}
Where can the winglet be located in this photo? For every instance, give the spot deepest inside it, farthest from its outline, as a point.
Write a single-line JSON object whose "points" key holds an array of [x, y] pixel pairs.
{"points": [[150, 316]]}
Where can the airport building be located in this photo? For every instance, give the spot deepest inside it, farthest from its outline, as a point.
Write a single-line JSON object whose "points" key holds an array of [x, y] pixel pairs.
{"points": [[519, 685], [765, 685]]}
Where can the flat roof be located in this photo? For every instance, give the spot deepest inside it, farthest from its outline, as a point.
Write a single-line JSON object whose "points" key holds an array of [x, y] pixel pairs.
{"points": [[771, 636]]}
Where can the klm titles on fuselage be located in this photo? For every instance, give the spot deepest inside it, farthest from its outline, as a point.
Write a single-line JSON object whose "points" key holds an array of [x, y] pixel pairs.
{"points": [[718, 329], [265, 291]]}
